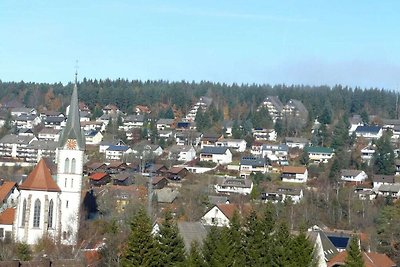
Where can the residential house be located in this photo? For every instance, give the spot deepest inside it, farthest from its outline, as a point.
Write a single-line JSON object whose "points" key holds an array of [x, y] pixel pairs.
{"points": [[275, 152], [93, 126], [165, 134], [159, 182], [18, 111], [142, 110], [353, 175], [234, 185], [319, 154], [294, 174], [210, 140], [166, 195], [219, 155], [228, 125], [123, 179], [93, 137], [371, 259], [132, 121], [293, 142], [145, 149], [39, 149], [274, 107], [8, 194], [49, 134], [379, 179], [238, 145], [99, 178], [181, 153], [367, 153], [116, 166], [14, 146], [221, 214], [295, 108], [6, 224], [26, 121], [202, 105], [390, 190], [369, 132], [163, 124], [185, 125], [95, 167], [264, 134], [54, 122], [188, 138], [251, 164], [177, 173], [282, 194], [116, 152], [111, 109], [106, 144]]}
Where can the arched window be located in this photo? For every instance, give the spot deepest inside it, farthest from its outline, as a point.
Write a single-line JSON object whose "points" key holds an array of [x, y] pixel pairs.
{"points": [[50, 215], [72, 182], [36, 214], [66, 165], [23, 213], [73, 164]]}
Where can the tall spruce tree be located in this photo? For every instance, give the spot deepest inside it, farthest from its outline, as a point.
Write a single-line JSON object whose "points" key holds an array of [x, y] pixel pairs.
{"points": [[354, 256], [194, 258], [172, 248], [210, 243], [254, 241], [302, 251], [142, 248]]}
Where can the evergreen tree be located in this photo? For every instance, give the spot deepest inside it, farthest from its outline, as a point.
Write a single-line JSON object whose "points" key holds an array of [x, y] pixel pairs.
{"points": [[169, 114], [384, 157], [172, 248], [142, 248], [254, 241], [281, 252], [194, 258], [354, 256], [279, 127], [210, 244], [302, 250]]}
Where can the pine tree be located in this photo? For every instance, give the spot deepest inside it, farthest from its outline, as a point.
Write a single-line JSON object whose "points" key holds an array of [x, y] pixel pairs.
{"points": [[194, 258], [354, 256], [282, 247], [210, 244], [172, 248], [142, 249], [302, 251], [254, 241]]}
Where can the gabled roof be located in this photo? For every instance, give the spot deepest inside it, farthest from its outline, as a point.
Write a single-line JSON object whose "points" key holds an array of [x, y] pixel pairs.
{"points": [[253, 161], [40, 179], [368, 129], [7, 216], [214, 150], [229, 209], [73, 128], [293, 169], [347, 172], [319, 149], [380, 178], [97, 176], [371, 259], [5, 189]]}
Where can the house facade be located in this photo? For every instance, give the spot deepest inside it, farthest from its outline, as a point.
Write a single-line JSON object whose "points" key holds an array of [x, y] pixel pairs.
{"points": [[294, 174]]}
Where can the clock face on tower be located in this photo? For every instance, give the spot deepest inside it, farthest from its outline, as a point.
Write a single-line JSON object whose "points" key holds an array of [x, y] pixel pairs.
{"points": [[71, 143]]}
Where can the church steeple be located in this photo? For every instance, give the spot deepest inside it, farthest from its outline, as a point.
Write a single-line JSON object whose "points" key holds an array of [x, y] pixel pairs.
{"points": [[72, 130]]}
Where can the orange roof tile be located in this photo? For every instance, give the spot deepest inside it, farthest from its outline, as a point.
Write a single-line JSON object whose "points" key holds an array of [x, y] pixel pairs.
{"points": [[371, 259], [5, 189], [229, 209], [7, 216], [40, 179], [98, 176], [292, 169]]}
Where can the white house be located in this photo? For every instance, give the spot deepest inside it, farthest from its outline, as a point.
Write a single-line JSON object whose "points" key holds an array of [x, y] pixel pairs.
{"points": [[238, 145], [250, 164], [379, 180], [163, 124], [294, 174], [106, 144], [234, 185], [49, 134], [367, 153], [370, 132], [14, 146], [319, 154], [390, 190], [221, 214], [132, 121], [275, 152], [6, 223], [298, 142], [15, 112], [353, 175], [93, 137], [117, 152], [182, 153], [26, 121], [264, 134], [282, 194], [219, 155], [8, 194]]}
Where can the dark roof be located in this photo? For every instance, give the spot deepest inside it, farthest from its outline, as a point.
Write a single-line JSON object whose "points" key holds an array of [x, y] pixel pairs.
{"points": [[214, 150], [383, 178], [368, 129], [253, 161], [73, 128], [118, 148]]}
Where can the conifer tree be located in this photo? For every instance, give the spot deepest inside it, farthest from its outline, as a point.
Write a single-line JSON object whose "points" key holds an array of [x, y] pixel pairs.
{"points": [[254, 241], [172, 248], [210, 244], [142, 249], [281, 249], [302, 251], [354, 256], [194, 258]]}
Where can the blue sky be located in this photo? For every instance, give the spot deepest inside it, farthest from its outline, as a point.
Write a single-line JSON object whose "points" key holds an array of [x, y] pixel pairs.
{"points": [[356, 43]]}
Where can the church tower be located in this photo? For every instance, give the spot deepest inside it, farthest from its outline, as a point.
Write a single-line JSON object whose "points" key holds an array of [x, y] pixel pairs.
{"points": [[70, 157]]}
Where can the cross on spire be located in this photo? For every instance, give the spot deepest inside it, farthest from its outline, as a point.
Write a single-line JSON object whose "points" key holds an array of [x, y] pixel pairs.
{"points": [[76, 71]]}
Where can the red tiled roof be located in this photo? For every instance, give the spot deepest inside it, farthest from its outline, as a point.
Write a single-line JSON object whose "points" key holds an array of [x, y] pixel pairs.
{"points": [[371, 259], [5, 189], [292, 169], [7, 216], [97, 176], [176, 170], [40, 179], [229, 209], [157, 179]]}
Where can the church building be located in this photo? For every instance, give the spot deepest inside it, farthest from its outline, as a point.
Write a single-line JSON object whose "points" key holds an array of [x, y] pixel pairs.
{"points": [[49, 203]]}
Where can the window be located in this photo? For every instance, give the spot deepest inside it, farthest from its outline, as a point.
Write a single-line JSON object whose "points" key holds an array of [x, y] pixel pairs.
{"points": [[64, 235], [72, 182], [36, 214], [23, 213], [66, 165], [1, 232], [65, 182], [66, 204], [73, 165], [50, 215]]}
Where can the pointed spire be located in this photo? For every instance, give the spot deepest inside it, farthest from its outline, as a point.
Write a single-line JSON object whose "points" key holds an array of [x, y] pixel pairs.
{"points": [[73, 128], [40, 179]]}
